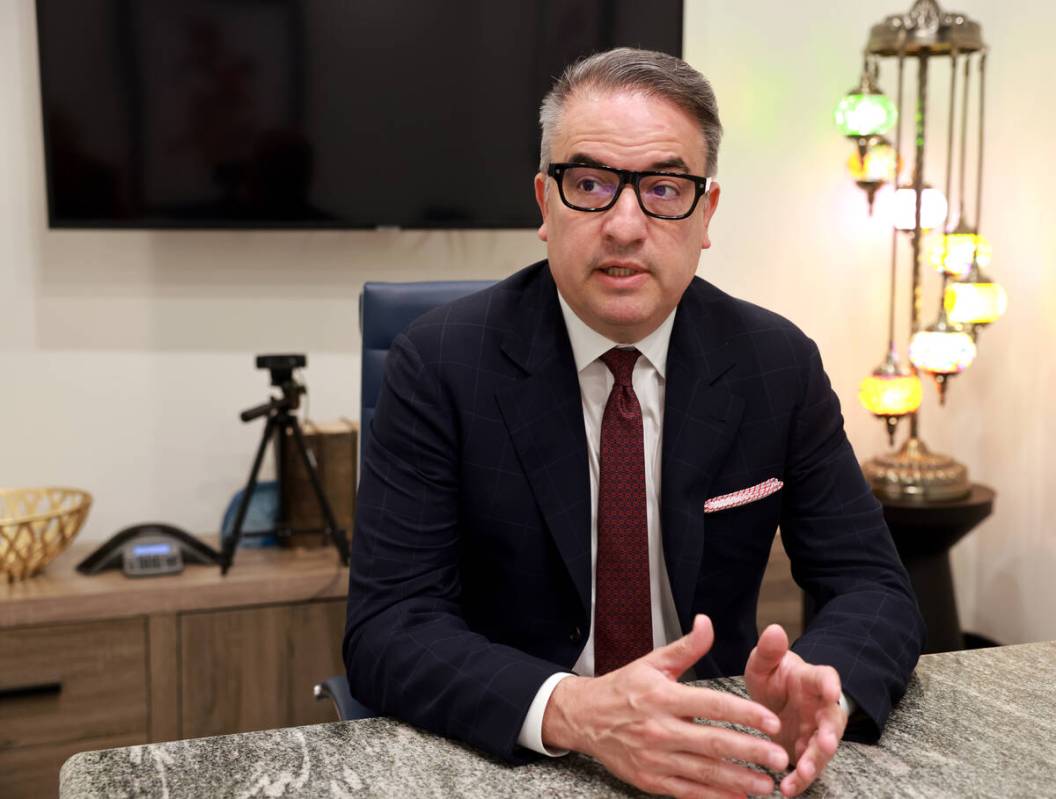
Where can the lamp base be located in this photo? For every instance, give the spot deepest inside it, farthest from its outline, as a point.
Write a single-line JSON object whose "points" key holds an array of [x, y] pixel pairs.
{"points": [[915, 474]]}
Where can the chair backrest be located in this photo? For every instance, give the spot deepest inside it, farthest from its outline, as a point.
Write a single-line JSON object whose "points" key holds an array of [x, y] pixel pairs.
{"points": [[385, 311]]}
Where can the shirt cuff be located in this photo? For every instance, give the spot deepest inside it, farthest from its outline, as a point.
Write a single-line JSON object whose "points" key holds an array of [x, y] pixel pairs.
{"points": [[847, 705], [531, 736]]}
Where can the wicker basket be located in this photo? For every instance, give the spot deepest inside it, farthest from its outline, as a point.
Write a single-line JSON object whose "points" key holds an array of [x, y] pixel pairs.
{"points": [[36, 524]]}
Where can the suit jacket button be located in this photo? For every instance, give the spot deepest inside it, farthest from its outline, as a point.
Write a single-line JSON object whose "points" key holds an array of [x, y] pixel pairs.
{"points": [[576, 635]]}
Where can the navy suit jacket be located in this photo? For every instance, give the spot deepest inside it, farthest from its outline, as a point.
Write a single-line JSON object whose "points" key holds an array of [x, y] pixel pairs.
{"points": [[471, 572]]}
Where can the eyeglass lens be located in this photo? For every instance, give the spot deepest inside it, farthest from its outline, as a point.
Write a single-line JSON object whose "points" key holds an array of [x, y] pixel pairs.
{"points": [[590, 188]]}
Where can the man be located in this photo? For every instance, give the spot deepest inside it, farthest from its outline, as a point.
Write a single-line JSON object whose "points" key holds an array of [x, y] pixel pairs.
{"points": [[574, 479]]}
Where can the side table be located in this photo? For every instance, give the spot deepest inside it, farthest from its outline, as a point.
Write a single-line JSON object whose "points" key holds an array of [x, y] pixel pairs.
{"points": [[924, 535]]}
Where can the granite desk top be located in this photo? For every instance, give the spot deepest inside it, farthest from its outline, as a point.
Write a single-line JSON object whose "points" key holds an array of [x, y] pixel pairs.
{"points": [[980, 723]]}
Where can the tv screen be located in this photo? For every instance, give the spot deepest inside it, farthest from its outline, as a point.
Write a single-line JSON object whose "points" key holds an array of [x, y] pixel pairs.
{"points": [[311, 113]]}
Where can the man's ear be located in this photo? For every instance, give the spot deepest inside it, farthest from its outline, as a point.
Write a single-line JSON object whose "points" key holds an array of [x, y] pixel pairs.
{"points": [[540, 200], [710, 201]]}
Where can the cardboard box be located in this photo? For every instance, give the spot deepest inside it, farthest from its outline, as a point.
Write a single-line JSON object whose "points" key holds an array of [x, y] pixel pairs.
{"points": [[334, 446]]}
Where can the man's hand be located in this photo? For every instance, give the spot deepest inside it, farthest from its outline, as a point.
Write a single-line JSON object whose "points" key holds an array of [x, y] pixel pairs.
{"points": [[805, 697], [638, 721]]}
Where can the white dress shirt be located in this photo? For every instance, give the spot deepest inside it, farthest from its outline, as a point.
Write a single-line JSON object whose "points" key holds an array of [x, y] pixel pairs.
{"points": [[595, 383]]}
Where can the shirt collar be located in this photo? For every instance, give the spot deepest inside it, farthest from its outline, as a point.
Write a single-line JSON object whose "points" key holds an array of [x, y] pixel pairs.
{"points": [[588, 344]]}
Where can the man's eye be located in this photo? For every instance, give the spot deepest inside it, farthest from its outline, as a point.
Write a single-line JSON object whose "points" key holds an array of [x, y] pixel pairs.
{"points": [[589, 185], [665, 191]]}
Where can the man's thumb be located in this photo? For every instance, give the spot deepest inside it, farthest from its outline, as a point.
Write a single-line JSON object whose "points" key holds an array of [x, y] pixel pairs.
{"points": [[679, 655], [768, 653]]}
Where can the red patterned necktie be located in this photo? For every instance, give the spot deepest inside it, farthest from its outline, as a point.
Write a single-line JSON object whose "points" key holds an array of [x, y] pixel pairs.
{"points": [[623, 626]]}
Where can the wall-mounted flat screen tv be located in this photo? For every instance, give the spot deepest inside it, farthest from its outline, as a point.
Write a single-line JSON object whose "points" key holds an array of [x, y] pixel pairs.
{"points": [[311, 113]]}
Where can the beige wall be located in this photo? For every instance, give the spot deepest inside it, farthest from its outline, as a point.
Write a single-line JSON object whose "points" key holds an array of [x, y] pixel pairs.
{"points": [[126, 356]]}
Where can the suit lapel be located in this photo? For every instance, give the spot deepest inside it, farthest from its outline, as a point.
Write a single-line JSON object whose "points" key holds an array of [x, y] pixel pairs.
{"points": [[544, 416], [700, 421]]}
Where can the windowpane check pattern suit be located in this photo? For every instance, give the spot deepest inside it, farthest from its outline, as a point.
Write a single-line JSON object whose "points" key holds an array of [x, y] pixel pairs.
{"points": [[471, 576]]}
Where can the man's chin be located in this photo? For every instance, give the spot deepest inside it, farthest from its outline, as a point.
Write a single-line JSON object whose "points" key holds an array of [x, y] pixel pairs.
{"points": [[625, 326]]}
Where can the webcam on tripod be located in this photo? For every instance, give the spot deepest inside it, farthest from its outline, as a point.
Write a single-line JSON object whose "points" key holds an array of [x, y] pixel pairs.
{"points": [[280, 423], [281, 366]]}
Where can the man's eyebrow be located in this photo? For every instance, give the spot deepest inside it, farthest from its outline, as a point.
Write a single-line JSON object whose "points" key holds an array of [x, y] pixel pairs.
{"points": [[586, 160], [663, 165], [671, 163]]}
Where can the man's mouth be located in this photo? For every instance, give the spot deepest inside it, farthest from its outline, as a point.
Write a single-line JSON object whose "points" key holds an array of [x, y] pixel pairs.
{"points": [[621, 268]]}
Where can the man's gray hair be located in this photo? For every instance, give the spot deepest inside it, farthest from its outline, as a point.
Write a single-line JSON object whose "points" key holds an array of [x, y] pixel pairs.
{"points": [[647, 71]]}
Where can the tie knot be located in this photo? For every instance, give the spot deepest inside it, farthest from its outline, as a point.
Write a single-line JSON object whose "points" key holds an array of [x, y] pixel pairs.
{"points": [[621, 364]]}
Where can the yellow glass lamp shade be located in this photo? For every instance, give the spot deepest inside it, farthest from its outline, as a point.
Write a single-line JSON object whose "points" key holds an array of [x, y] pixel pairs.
{"points": [[932, 208], [942, 352], [864, 113], [890, 395], [873, 163], [952, 253], [975, 302]]}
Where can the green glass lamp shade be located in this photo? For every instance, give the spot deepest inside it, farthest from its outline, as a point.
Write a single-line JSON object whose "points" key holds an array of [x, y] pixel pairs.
{"points": [[865, 114]]}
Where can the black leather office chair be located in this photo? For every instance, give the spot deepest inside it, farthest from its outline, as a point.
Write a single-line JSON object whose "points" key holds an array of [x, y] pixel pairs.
{"points": [[385, 311]]}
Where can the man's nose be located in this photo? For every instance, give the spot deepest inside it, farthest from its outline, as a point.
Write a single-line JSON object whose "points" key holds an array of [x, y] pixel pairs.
{"points": [[626, 221]]}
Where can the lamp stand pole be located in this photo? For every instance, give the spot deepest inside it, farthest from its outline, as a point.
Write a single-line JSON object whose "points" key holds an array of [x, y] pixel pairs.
{"points": [[914, 473]]}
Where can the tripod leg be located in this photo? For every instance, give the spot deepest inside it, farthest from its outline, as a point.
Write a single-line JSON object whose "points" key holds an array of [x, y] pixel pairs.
{"points": [[236, 532], [337, 536]]}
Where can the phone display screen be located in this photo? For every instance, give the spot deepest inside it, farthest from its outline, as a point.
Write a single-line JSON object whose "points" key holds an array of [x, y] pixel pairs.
{"points": [[141, 550]]}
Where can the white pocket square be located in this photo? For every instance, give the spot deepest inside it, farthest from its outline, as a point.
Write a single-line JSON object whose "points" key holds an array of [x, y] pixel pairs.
{"points": [[737, 498]]}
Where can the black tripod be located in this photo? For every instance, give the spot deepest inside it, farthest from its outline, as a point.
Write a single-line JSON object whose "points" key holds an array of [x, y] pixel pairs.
{"points": [[277, 409]]}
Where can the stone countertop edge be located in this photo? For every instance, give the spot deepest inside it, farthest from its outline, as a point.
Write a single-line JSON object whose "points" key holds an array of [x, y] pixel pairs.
{"points": [[978, 723]]}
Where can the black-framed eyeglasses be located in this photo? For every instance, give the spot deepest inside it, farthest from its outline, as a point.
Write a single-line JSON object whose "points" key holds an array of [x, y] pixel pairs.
{"points": [[663, 195]]}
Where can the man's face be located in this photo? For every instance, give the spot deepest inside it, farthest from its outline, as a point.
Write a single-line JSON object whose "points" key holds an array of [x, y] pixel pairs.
{"points": [[621, 271]]}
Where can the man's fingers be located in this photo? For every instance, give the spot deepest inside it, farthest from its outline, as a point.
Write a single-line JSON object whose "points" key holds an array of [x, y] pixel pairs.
{"points": [[802, 775], [678, 656], [678, 787], [831, 723], [813, 753], [687, 701], [724, 744], [826, 683], [719, 774], [729, 744], [819, 750], [799, 780]]}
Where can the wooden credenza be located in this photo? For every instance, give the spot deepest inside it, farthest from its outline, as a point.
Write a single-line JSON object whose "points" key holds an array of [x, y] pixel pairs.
{"points": [[97, 662]]}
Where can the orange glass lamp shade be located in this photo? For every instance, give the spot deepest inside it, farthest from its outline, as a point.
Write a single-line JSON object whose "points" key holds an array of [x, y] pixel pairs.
{"points": [[890, 395], [874, 162], [932, 208], [975, 302], [942, 352], [952, 253]]}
